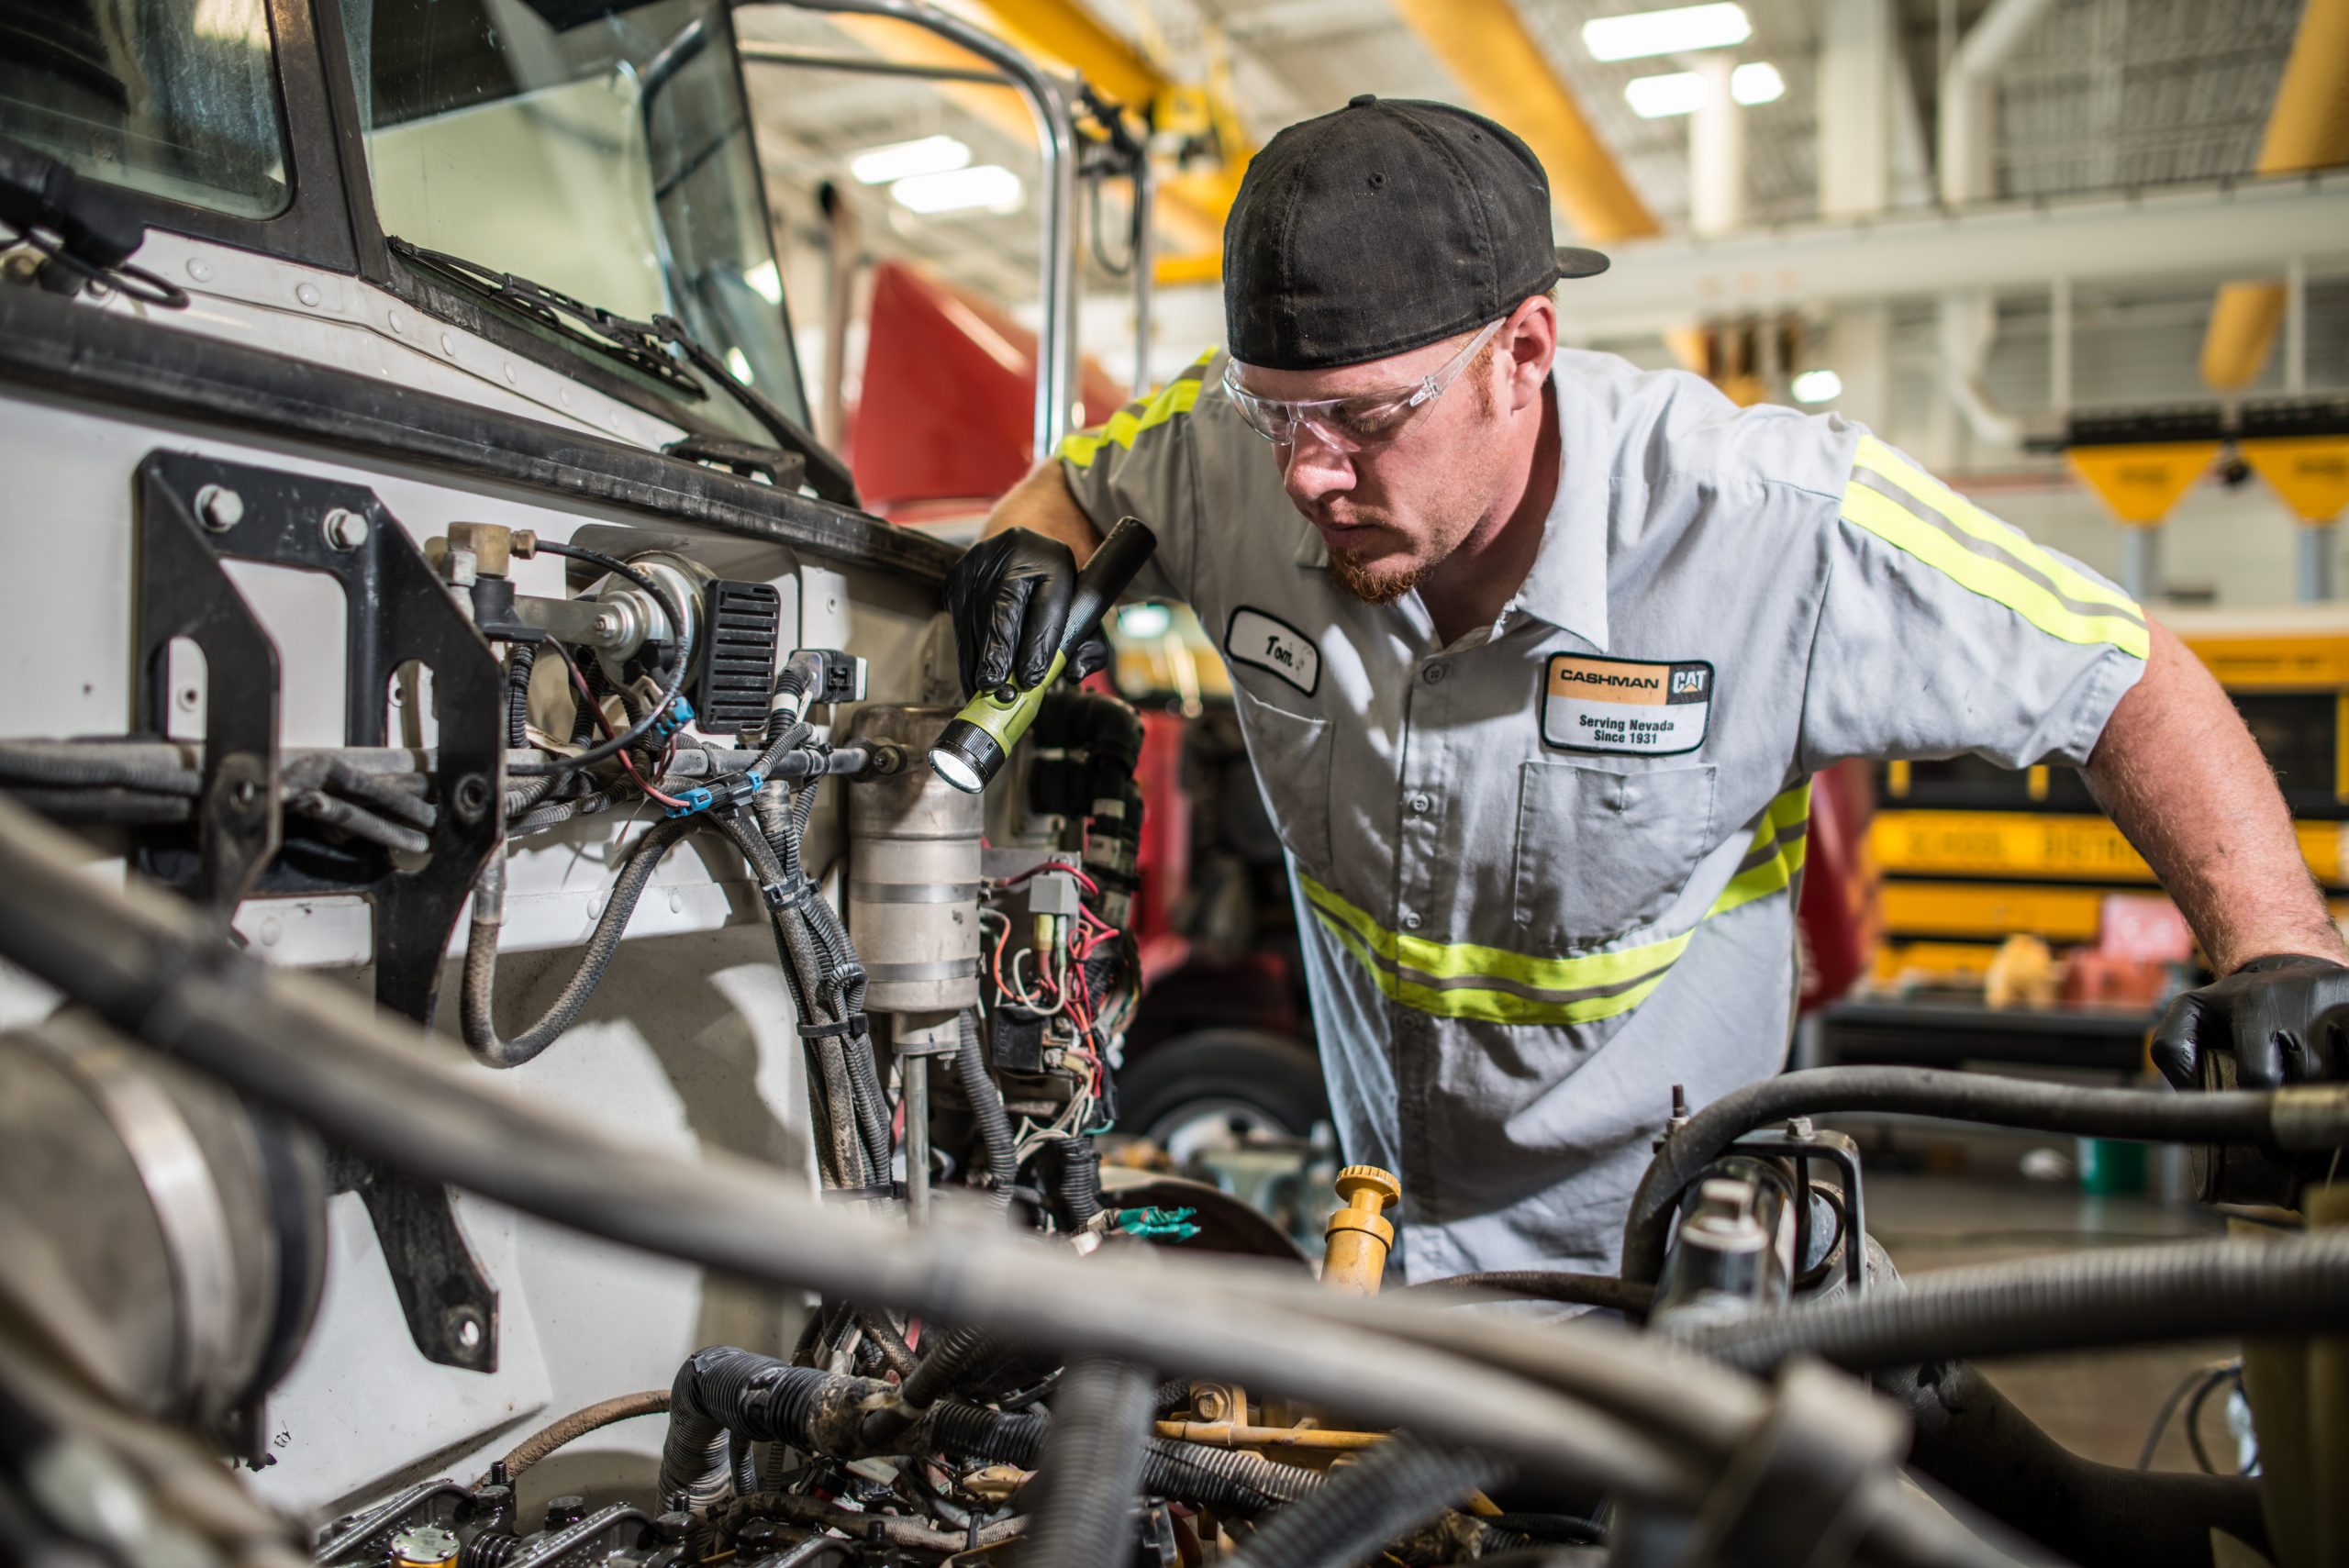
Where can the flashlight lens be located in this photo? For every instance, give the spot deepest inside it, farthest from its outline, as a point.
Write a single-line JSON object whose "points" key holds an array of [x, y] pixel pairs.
{"points": [[956, 769]]}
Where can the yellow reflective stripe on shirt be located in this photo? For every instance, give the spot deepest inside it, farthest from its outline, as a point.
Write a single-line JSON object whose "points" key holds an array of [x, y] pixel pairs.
{"points": [[1468, 980], [1917, 514], [1177, 396]]}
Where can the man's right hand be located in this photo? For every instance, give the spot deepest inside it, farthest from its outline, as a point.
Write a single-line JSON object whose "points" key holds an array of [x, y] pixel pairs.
{"points": [[1009, 597]]}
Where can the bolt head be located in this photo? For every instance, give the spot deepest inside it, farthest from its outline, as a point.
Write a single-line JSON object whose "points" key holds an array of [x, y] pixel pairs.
{"points": [[346, 529], [219, 508], [608, 623]]}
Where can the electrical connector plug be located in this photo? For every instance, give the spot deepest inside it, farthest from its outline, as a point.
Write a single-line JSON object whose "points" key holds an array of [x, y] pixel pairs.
{"points": [[680, 713], [1158, 1224], [842, 679], [729, 793]]}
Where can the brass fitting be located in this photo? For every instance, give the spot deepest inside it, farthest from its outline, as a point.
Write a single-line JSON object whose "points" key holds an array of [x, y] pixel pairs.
{"points": [[491, 545], [1358, 1238]]}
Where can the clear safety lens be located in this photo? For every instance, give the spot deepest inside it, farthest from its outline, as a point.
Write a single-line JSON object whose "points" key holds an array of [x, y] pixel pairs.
{"points": [[1359, 423]]}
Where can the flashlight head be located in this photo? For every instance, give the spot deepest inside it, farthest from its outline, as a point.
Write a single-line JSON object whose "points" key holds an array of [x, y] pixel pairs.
{"points": [[966, 756]]}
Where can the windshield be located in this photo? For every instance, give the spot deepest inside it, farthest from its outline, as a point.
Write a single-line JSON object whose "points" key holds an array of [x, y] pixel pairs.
{"points": [[609, 158], [176, 98]]}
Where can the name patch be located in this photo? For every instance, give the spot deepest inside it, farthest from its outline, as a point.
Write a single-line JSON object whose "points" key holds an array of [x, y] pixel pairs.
{"points": [[1622, 705], [1255, 638]]}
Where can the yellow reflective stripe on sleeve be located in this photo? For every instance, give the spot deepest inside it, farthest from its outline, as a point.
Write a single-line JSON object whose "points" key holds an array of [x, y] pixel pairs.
{"points": [[1993, 579], [2072, 583], [1177, 396], [1911, 510], [1466, 980]]}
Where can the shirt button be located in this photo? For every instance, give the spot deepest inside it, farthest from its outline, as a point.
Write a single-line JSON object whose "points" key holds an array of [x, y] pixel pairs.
{"points": [[1435, 672], [1411, 921], [1423, 803]]}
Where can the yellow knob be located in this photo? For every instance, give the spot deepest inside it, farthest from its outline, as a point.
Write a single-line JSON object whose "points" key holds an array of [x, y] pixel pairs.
{"points": [[1367, 1187]]}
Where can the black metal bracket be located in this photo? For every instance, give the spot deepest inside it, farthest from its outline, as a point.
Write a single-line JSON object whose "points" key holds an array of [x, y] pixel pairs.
{"points": [[451, 1307], [1802, 1144], [194, 511]]}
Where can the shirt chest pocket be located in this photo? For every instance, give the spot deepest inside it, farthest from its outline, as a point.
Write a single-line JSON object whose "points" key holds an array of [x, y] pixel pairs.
{"points": [[1291, 755], [1601, 851]]}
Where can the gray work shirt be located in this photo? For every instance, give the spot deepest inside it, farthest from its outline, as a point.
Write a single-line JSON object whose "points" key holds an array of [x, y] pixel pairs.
{"points": [[1546, 873]]}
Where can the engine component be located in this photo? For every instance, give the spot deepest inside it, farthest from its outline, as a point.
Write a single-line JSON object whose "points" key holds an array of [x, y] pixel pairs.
{"points": [[914, 844], [183, 1275], [738, 652], [1359, 1234]]}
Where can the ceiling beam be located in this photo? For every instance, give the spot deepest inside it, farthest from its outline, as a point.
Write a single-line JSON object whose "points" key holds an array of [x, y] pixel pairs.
{"points": [[1485, 46]]}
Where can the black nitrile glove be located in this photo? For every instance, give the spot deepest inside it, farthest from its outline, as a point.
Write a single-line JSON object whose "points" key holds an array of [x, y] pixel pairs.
{"points": [[2282, 1017], [1008, 596]]}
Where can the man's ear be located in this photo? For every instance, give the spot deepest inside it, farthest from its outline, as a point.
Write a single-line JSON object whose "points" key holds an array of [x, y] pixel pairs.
{"points": [[1528, 343]]}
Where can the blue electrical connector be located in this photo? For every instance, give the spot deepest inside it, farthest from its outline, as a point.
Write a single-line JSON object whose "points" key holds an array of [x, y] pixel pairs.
{"points": [[728, 794], [680, 713]]}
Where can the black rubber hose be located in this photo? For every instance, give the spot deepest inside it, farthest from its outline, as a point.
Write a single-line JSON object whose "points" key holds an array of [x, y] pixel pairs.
{"points": [[1633, 1300], [2228, 1117], [721, 1395], [1233, 1480], [1392, 1489], [520, 659], [59, 768], [944, 1365], [1173, 1395], [2076, 1301], [986, 1109], [1969, 1438], [1075, 1168], [1090, 1476], [480, 992]]}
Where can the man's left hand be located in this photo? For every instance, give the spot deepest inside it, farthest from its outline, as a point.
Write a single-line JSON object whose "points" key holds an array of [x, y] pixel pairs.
{"points": [[2283, 1017]]}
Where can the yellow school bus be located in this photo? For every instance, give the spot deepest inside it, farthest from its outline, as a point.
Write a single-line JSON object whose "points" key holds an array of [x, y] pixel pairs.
{"points": [[1970, 853]]}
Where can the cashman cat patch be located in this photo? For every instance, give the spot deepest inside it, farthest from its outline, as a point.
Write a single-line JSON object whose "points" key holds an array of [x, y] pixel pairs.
{"points": [[1626, 706]]}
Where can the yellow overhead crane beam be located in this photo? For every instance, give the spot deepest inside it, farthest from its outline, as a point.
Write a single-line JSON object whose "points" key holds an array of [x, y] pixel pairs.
{"points": [[1488, 50], [2308, 128]]}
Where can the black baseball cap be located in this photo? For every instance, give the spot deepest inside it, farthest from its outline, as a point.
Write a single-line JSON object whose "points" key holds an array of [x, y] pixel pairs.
{"points": [[1380, 228]]}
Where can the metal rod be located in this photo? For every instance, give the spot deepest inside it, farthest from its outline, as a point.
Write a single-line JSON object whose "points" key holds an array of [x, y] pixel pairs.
{"points": [[916, 1072], [1056, 147], [1145, 191], [758, 53], [1227, 1434], [2316, 561], [2059, 345], [2141, 561], [2296, 325]]}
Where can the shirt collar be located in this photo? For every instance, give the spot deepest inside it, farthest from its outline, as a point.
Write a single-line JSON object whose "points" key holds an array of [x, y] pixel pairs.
{"points": [[1568, 584]]}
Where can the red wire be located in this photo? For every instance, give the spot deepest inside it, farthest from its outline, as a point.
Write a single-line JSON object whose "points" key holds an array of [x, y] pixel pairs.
{"points": [[604, 723]]}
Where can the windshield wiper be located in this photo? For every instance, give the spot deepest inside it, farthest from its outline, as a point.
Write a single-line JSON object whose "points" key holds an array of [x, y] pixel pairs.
{"points": [[643, 346]]}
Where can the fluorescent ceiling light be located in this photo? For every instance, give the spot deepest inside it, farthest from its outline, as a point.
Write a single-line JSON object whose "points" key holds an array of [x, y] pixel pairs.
{"points": [[1646, 33], [1683, 91], [990, 186], [1818, 387], [1756, 82], [1654, 98], [902, 160]]}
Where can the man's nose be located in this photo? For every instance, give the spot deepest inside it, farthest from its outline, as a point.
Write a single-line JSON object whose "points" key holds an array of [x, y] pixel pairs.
{"points": [[1312, 469]]}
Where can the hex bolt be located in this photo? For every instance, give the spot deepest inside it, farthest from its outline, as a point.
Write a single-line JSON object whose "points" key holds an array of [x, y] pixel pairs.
{"points": [[1800, 1127], [219, 507], [346, 529], [567, 1510], [607, 624]]}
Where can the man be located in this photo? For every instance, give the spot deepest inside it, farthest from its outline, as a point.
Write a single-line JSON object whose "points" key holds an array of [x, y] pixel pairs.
{"points": [[1535, 654]]}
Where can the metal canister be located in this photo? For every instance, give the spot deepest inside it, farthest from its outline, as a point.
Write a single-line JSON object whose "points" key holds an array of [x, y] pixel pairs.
{"points": [[913, 881]]}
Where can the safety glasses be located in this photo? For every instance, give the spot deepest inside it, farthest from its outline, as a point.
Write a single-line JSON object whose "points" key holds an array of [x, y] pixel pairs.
{"points": [[1360, 423]]}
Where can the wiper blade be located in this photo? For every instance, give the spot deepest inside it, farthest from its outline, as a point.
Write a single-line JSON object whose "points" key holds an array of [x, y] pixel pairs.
{"points": [[643, 346], [633, 343], [827, 475]]}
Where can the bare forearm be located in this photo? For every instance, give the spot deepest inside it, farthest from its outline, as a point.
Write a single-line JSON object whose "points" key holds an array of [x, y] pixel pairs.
{"points": [[2180, 775], [1042, 502]]}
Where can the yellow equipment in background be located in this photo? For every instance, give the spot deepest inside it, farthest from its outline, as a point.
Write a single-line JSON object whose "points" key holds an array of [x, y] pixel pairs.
{"points": [[1971, 853]]}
